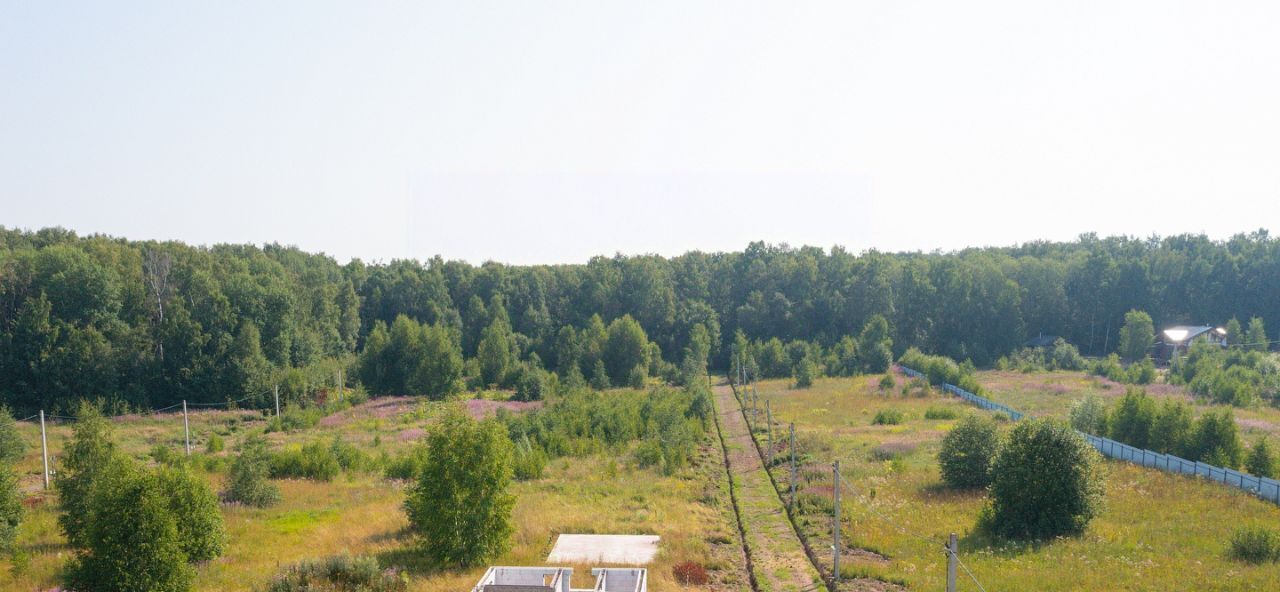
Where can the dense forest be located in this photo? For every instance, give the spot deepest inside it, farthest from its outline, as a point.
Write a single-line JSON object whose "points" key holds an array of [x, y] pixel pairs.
{"points": [[148, 323]]}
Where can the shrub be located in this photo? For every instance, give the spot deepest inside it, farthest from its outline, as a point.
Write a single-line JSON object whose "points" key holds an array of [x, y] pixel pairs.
{"points": [[313, 461], [1255, 544], [940, 413], [12, 446], [689, 573], [806, 370], [887, 383], [131, 537], [532, 384], [349, 457], [1089, 415], [637, 377], [1171, 429], [1046, 481], [83, 461], [967, 452], [215, 444], [529, 460], [459, 506], [293, 419], [248, 483], [10, 508], [1130, 422], [888, 416], [200, 530], [893, 450], [1261, 460], [1216, 440], [339, 574], [406, 466]]}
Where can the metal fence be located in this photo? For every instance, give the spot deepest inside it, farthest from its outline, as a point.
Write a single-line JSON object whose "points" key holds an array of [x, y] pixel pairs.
{"points": [[1263, 487]]}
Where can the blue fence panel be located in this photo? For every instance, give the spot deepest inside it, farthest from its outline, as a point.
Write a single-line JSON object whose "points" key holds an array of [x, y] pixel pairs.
{"points": [[1264, 487]]}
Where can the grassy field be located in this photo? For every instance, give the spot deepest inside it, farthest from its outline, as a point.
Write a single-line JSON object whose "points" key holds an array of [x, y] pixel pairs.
{"points": [[1050, 394], [1158, 532], [360, 512]]}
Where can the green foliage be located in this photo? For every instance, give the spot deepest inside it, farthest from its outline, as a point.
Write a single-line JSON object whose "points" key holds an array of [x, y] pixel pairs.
{"points": [[1131, 420], [1046, 481], [201, 534], [1216, 440], [348, 456], [84, 460], [637, 377], [1171, 430], [1089, 415], [533, 384], [875, 346], [339, 574], [1059, 356], [497, 350], [312, 461], [1137, 336], [1256, 338], [1262, 461], [529, 461], [215, 444], [1255, 544], [967, 453], [460, 507], [1234, 376], [247, 482], [886, 382], [888, 416], [407, 465], [131, 539], [599, 377], [625, 349], [10, 507], [941, 413], [806, 370], [412, 358], [941, 370], [293, 419], [12, 445]]}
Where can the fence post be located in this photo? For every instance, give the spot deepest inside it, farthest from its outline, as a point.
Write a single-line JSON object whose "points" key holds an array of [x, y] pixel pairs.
{"points": [[835, 525], [951, 563], [768, 418], [277, 392], [44, 450], [186, 427], [791, 502]]}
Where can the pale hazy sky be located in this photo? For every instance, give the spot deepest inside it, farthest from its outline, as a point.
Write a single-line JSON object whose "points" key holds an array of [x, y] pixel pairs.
{"points": [[552, 131]]}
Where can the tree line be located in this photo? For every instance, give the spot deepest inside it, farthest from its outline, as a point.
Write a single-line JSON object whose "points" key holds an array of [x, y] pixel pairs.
{"points": [[152, 323]]}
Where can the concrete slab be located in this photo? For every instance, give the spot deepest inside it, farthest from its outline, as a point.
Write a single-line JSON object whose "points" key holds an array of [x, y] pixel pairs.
{"points": [[616, 549]]}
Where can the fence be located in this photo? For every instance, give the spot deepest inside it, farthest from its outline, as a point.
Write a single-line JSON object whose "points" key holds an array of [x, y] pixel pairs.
{"points": [[1263, 487]]}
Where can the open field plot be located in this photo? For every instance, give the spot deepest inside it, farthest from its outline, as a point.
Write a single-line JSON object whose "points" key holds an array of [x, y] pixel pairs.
{"points": [[1158, 532], [1051, 394], [360, 512]]}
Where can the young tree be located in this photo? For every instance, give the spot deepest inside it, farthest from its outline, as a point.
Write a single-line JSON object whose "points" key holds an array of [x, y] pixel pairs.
{"points": [[496, 351], [1235, 333], [1216, 440], [439, 365], [1171, 429], [248, 483], [460, 507], [1137, 336], [875, 347], [806, 370], [12, 446], [131, 539], [1131, 420], [83, 461], [1261, 462], [1089, 415], [194, 507], [624, 349], [1256, 338], [10, 507], [1046, 481], [967, 452]]}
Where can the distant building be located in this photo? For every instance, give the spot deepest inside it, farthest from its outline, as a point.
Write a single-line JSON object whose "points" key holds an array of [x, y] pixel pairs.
{"points": [[1179, 338], [557, 579]]}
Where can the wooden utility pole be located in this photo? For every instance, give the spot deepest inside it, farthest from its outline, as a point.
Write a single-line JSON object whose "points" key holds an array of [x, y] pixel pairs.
{"points": [[186, 426], [835, 526], [768, 418], [44, 449], [952, 548], [277, 392]]}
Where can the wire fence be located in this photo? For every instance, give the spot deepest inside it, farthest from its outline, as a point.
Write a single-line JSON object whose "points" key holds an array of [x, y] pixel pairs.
{"points": [[1263, 487]]}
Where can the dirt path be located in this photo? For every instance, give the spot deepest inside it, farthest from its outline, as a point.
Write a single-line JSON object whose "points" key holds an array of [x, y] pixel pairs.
{"points": [[777, 557]]}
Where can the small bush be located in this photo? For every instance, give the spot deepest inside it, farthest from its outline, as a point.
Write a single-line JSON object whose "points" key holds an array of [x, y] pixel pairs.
{"points": [[407, 466], [888, 416], [215, 444], [1262, 461], [340, 574], [1046, 481], [313, 461], [689, 573], [1216, 440], [348, 456], [887, 383], [1089, 415], [529, 461], [893, 450], [248, 483], [293, 419], [940, 413], [10, 508], [12, 445], [1255, 544], [968, 451]]}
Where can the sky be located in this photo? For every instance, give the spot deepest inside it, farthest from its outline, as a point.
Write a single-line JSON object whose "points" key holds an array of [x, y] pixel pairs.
{"points": [[549, 132]]}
